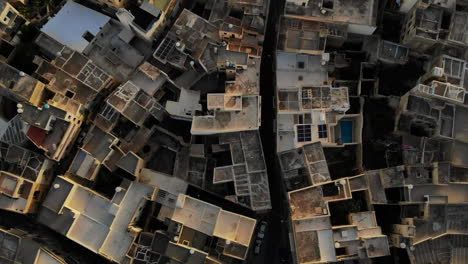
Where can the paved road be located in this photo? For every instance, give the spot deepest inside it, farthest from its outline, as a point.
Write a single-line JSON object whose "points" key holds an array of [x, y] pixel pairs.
{"points": [[275, 248]]}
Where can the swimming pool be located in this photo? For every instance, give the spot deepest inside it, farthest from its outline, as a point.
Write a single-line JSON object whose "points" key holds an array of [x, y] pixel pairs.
{"points": [[346, 131]]}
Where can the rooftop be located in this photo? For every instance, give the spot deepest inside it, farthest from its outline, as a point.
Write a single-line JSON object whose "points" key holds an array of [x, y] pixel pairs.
{"points": [[22, 162], [80, 90], [9, 245], [82, 68], [445, 91], [149, 78], [186, 106], [99, 224], [360, 12], [80, 21], [393, 52], [429, 18], [135, 104], [248, 170], [232, 57], [116, 55], [297, 35], [295, 70], [12, 80], [226, 121], [190, 35], [459, 28], [307, 203], [162, 4], [247, 80], [214, 221], [46, 257], [309, 159]]}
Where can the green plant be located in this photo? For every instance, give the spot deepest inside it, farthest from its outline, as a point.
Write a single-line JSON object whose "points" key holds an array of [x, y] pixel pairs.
{"points": [[36, 7], [28, 32]]}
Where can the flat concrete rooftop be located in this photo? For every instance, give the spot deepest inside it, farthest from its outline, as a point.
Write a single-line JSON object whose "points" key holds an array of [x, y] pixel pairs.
{"points": [[361, 12]]}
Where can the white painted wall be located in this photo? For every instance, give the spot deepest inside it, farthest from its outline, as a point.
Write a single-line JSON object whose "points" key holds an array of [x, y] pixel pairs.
{"points": [[361, 29], [406, 5]]}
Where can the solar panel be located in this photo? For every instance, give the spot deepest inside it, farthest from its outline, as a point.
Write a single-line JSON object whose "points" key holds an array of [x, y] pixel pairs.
{"points": [[322, 130], [165, 48], [304, 133]]}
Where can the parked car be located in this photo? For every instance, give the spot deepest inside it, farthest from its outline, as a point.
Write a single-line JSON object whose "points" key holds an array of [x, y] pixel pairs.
{"points": [[260, 236], [262, 229], [258, 246]]}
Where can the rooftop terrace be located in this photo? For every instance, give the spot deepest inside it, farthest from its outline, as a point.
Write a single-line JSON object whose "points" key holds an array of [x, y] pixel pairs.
{"points": [[79, 20], [12, 81], [99, 224], [223, 121], [298, 70], [360, 12], [214, 221]]}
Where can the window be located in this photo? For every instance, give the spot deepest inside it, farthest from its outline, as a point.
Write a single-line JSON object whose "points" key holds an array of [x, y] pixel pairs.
{"points": [[304, 133], [300, 65], [322, 130], [300, 78]]}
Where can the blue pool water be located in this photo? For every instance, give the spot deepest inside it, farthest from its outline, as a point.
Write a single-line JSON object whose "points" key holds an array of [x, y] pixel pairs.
{"points": [[346, 131]]}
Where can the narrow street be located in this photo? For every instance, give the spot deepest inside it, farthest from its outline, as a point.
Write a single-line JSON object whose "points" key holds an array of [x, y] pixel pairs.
{"points": [[276, 243]]}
